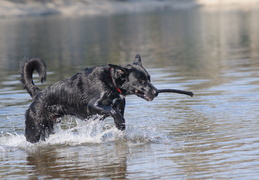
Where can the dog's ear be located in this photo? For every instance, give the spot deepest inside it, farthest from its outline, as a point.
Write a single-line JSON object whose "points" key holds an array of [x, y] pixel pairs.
{"points": [[118, 71], [137, 60]]}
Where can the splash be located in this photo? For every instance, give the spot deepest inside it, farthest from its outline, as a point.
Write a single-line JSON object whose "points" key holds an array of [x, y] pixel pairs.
{"points": [[73, 132], [12, 141]]}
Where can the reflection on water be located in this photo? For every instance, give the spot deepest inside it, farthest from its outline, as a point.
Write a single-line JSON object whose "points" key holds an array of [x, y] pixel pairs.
{"points": [[214, 134]]}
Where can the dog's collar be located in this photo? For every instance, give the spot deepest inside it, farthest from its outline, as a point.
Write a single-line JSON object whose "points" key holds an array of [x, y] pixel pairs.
{"points": [[119, 90], [114, 83]]}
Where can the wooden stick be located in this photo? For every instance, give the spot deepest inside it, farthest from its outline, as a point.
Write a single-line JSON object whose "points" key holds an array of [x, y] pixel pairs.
{"points": [[189, 93]]}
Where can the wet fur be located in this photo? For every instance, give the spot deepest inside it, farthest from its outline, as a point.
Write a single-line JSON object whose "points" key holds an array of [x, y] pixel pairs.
{"points": [[99, 90]]}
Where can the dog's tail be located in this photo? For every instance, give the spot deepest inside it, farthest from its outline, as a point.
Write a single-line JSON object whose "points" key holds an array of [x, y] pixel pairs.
{"points": [[27, 68]]}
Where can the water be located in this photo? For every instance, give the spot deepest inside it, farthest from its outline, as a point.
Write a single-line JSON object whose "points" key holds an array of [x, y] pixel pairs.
{"points": [[213, 135]]}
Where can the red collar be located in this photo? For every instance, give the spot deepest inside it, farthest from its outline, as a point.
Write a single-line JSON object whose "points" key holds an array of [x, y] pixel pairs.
{"points": [[119, 90]]}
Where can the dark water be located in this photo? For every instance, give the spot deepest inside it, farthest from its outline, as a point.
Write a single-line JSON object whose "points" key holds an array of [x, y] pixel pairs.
{"points": [[214, 135]]}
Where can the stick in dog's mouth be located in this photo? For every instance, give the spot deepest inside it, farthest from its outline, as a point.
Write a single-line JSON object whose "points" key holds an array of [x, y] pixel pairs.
{"points": [[189, 93]]}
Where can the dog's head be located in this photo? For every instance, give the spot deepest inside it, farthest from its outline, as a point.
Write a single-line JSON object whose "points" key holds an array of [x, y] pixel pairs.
{"points": [[133, 79]]}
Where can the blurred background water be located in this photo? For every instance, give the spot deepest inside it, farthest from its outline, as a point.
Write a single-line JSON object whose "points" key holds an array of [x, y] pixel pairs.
{"points": [[213, 53]]}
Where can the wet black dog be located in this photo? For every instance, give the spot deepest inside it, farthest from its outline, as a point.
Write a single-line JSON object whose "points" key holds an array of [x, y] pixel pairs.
{"points": [[100, 90]]}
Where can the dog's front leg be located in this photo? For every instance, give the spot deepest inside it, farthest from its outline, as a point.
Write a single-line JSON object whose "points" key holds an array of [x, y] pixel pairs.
{"points": [[118, 119], [111, 111], [119, 104], [119, 107]]}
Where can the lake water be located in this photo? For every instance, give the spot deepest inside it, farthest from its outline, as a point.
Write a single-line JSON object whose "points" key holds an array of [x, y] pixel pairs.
{"points": [[214, 135]]}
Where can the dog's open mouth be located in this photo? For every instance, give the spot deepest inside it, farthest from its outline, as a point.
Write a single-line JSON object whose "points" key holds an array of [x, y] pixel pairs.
{"points": [[143, 95]]}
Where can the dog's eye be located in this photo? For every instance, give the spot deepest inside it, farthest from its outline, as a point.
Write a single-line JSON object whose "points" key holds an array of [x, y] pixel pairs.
{"points": [[142, 81]]}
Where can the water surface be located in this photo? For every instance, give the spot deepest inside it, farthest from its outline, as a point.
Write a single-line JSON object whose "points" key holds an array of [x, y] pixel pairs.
{"points": [[212, 135]]}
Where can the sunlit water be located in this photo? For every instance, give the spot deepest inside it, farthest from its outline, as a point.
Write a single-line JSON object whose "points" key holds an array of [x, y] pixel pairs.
{"points": [[213, 135]]}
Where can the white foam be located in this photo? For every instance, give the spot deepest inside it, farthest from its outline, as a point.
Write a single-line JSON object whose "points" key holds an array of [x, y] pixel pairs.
{"points": [[12, 142], [79, 133]]}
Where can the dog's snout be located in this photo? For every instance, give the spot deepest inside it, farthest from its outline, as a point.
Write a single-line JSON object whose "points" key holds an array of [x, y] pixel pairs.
{"points": [[155, 92], [152, 94]]}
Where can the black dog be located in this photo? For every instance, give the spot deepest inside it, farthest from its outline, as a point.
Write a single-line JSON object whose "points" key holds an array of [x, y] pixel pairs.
{"points": [[100, 90]]}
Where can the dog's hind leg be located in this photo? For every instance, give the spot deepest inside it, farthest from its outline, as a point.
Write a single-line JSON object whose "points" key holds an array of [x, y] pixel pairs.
{"points": [[34, 127], [37, 126]]}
